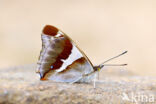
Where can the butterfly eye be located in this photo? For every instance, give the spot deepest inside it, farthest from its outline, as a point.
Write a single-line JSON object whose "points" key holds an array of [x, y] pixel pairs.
{"points": [[51, 67]]}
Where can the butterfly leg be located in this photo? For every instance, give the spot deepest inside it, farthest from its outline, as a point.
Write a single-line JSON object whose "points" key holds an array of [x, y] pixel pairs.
{"points": [[95, 81], [76, 80]]}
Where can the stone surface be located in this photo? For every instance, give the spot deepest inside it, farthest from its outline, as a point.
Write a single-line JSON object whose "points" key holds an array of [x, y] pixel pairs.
{"points": [[21, 85]]}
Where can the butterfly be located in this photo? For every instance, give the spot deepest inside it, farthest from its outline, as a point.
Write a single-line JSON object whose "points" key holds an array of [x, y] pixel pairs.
{"points": [[61, 60]]}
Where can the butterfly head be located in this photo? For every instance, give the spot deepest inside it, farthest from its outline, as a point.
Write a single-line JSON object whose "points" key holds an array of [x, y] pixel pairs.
{"points": [[98, 68]]}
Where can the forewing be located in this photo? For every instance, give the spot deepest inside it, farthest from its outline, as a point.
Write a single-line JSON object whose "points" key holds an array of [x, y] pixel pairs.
{"points": [[60, 59]]}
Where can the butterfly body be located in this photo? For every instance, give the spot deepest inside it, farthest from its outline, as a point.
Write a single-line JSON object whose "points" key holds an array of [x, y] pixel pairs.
{"points": [[61, 60]]}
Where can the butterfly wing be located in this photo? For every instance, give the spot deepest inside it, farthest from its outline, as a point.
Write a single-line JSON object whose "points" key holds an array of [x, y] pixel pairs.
{"points": [[60, 59]]}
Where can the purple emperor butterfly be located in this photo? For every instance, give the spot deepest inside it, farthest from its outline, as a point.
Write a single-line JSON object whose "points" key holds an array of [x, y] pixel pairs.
{"points": [[62, 61]]}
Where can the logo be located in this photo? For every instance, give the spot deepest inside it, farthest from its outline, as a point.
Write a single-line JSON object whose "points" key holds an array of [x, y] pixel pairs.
{"points": [[138, 97]]}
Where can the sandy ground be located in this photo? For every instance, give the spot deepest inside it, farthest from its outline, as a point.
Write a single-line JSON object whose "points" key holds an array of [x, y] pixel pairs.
{"points": [[21, 85]]}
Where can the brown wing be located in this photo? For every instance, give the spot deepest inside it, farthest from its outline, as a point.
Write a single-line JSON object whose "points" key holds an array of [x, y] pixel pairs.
{"points": [[60, 59]]}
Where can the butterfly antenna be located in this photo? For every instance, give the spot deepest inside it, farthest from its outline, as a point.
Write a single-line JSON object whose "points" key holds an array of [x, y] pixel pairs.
{"points": [[102, 64], [115, 64]]}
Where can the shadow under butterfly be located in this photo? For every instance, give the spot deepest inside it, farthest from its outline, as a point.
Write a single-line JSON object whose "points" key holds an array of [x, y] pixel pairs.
{"points": [[61, 60]]}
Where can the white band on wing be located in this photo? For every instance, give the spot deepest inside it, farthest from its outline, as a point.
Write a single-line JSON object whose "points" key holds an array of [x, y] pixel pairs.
{"points": [[75, 54]]}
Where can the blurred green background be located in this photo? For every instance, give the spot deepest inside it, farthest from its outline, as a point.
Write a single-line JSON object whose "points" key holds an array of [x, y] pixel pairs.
{"points": [[101, 28]]}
